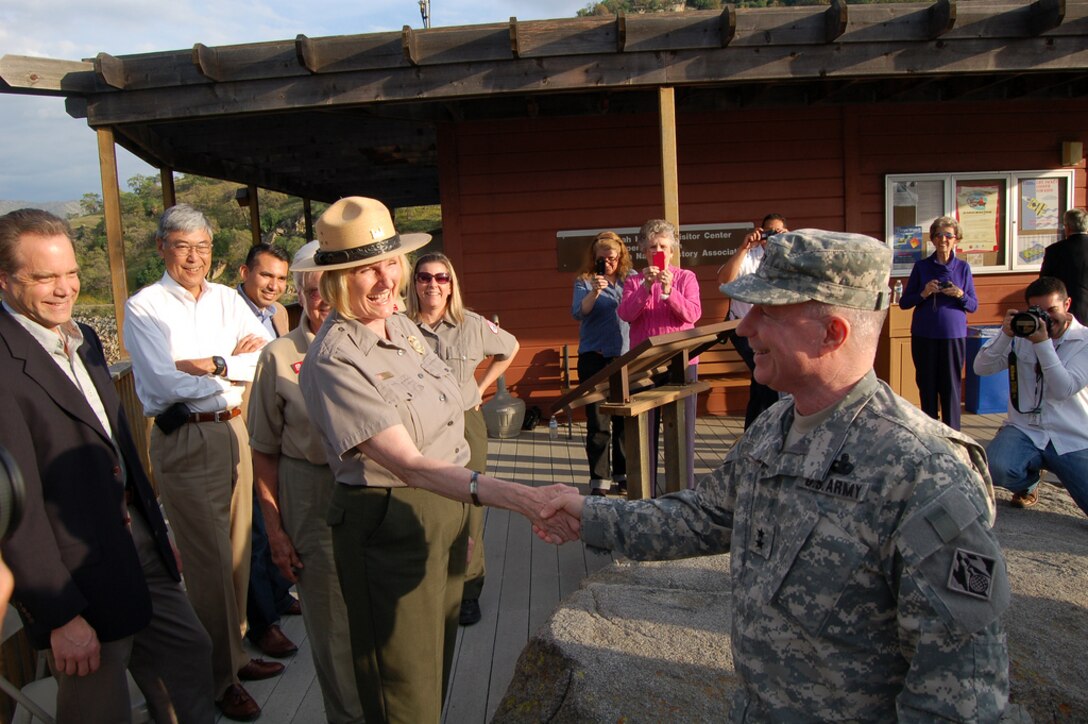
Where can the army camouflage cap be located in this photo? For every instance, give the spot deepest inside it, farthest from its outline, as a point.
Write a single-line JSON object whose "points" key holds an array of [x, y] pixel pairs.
{"points": [[835, 267]]}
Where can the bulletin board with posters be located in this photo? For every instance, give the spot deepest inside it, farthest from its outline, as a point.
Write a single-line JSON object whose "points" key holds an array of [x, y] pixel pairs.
{"points": [[1008, 218]]}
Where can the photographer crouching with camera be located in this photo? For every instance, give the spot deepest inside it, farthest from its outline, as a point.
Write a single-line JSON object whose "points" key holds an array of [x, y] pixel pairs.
{"points": [[1046, 352]]}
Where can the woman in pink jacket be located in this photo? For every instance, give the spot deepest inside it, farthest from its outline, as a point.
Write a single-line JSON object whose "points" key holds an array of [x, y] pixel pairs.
{"points": [[662, 299]]}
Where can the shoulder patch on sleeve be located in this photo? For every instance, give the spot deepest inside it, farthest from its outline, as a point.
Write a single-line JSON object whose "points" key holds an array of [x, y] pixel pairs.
{"points": [[972, 574], [492, 326], [951, 553]]}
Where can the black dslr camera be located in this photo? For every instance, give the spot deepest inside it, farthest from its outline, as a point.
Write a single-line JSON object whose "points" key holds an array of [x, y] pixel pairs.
{"points": [[1027, 323], [12, 492]]}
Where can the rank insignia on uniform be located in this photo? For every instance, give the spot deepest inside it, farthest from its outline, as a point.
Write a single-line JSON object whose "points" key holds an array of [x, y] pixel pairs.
{"points": [[297, 366], [416, 344], [972, 574]]}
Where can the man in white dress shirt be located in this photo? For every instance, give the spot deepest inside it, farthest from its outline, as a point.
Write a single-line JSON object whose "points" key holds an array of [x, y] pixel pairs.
{"points": [[194, 345], [1047, 425]]}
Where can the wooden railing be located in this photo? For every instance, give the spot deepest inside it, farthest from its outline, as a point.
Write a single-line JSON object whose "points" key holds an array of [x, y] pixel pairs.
{"points": [[125, 384]]}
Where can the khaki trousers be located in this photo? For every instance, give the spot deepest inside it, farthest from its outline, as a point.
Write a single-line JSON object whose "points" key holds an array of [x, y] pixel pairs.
{"points": [[476, 435], [400, 554], [305, 491], [204, 474], [170, 659]]}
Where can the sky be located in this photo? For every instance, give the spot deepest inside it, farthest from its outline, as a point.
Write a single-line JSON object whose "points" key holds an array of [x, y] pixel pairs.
{"points": [[46, 155]]}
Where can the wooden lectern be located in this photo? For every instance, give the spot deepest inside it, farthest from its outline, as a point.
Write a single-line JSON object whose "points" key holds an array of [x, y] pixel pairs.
{"points": [[624, 389]]}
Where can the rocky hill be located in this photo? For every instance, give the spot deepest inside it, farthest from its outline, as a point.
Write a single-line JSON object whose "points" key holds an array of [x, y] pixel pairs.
{"points": [[63, 209]]}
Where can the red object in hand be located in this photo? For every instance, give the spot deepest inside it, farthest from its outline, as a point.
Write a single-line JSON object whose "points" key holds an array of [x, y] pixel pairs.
{"points": [[659, 259]]}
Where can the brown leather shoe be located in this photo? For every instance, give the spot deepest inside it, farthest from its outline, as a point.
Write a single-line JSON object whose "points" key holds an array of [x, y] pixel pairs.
{"points": [[274, 642], [1026, 499], [258, 669], [237, 704]]}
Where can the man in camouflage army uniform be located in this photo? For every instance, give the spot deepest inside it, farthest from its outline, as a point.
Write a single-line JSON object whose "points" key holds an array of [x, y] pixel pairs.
{"points": [[867, 582]]}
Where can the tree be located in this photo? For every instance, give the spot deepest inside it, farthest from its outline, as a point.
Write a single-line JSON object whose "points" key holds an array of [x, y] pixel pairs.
{"points": [[90, 204]]}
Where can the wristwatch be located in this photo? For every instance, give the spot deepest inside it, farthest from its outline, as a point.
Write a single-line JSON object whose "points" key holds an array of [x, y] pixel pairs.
{"points": [[220, 366]]}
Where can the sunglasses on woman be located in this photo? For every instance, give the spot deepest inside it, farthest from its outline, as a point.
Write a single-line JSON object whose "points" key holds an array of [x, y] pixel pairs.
{"points": [[426, 277]]}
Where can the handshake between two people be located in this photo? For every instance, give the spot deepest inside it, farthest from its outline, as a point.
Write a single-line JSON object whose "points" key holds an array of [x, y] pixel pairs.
{"points": [[555, 512]]}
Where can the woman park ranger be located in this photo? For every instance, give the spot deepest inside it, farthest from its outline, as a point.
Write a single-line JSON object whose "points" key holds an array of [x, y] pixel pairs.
{"points": [[391, 416]]}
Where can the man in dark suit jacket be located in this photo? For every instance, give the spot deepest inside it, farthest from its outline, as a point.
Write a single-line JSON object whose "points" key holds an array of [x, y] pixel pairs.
{"points": [[96, 579], [1068, 260]]}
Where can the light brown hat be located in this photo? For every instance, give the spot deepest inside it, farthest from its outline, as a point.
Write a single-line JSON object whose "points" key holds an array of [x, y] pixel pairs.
{"points": [[355, 231]]}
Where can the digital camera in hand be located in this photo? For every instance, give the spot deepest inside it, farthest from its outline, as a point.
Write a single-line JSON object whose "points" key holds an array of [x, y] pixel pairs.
{"points": [[1026, 323]]}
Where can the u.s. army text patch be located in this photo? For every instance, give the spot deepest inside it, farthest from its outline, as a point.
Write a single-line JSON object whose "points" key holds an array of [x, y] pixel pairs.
{"points": [[839, 488]]}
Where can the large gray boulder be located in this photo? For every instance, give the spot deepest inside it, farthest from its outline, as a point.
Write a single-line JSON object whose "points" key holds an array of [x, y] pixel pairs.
{"points": [[649, 642]]}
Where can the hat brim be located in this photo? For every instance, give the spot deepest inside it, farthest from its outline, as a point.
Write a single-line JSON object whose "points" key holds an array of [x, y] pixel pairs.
{"points": [[753, 289], [408, 244]]}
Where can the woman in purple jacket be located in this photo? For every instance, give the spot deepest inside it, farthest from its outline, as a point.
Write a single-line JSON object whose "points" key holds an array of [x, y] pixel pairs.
{"points": [[941, 292]]}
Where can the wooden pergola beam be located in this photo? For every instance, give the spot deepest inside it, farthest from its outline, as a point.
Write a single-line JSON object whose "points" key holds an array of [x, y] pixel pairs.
{"points": [[169, 197], [1046, 15], [115, 242], [942, 17], [670, 177], [836, 18]]}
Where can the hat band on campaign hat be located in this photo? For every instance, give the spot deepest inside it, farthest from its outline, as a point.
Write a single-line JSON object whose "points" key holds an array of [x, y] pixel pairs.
{"points": [[358, 253]]}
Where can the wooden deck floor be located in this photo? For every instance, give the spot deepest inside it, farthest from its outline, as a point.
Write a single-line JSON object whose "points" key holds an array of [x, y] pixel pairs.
{"points": [[526, 579]]}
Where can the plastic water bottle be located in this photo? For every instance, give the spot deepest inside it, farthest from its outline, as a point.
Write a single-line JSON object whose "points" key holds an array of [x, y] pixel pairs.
{"points": [[553, 428], [897, 292]]}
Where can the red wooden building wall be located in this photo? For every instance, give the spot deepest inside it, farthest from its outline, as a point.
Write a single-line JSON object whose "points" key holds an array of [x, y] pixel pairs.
{"points": [[508, 186]]}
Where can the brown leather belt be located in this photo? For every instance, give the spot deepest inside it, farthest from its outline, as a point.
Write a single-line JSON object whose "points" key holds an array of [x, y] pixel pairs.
{"points": [[220, 416]]}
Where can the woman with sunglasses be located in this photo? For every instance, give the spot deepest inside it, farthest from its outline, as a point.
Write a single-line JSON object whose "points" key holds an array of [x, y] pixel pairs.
{"points": [[602, 336], [942, 293], [462, 339]]}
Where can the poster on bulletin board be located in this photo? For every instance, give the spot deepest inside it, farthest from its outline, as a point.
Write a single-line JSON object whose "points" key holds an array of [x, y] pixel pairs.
{"points": [[1040, 218], [978, 208]]}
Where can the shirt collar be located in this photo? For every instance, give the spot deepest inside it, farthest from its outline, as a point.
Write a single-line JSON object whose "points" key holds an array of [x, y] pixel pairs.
{"points": [[262, 314], [170, 284], [66, 339]]}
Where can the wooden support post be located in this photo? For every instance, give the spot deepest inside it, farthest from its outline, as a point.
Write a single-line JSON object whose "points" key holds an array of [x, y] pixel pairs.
{"points": [[670, 185], [115, 243], [636, 441], [674, 432], [169, 197], [254, 215], [308, 217]]}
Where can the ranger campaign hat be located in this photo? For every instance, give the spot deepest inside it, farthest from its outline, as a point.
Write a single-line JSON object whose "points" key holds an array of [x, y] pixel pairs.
{"points": [[835, 267], [355, 231]]}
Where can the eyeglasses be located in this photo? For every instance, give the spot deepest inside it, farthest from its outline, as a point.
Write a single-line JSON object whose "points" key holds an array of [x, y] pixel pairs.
{"points": [[944, 235], [184, 248], [426, 277]]}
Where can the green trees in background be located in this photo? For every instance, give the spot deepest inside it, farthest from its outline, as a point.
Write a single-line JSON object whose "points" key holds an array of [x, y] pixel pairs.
{"points": [[282, 223]]}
